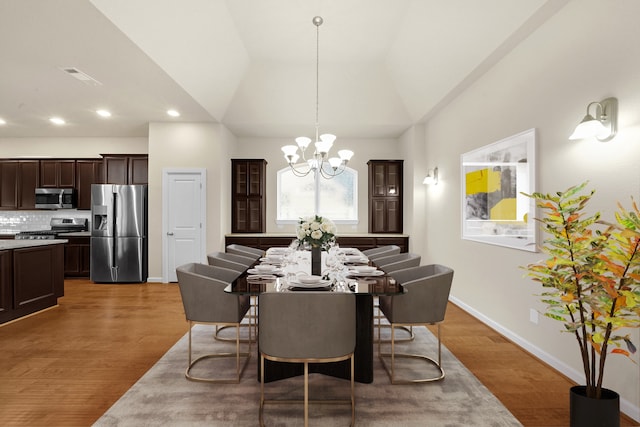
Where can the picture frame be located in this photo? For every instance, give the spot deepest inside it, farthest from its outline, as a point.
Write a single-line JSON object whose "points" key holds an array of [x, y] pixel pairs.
{"points": [[493, 178]]}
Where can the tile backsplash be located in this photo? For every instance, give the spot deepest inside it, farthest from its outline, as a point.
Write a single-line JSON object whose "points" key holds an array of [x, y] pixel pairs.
{"points": [[12, 222]]}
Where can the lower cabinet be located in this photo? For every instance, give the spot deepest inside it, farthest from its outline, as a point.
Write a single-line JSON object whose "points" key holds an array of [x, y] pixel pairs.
{"points": [[77, 257], [31, 280], [6, 283]]}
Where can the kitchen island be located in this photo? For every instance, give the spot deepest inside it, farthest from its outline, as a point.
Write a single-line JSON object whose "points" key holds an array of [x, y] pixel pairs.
{"points": [[31, 276]]}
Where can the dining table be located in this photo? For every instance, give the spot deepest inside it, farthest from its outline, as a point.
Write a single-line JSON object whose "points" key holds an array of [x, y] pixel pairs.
{"points": [[288, 270]]}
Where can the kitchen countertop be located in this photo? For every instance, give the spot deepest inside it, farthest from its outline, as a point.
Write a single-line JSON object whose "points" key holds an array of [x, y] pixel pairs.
{"points": [[20, 244]]}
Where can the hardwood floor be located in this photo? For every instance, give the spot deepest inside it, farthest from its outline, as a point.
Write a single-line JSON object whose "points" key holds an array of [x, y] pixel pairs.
{"points": [[67, 365]]}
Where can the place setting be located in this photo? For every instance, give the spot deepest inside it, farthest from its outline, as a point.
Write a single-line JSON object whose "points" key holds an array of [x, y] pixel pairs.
{"points": [[309, 283], [266, 269], [364, 271]]}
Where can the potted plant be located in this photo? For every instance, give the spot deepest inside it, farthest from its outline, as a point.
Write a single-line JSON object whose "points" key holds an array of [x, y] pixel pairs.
{"points": [[591, 282]]}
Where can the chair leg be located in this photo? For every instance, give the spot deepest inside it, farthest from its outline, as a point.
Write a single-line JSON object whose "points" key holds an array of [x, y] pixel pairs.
{"points": [[261, 410], [393, 355], [353, 395], [250, 315], [306, 400], [306, 394], [237, 355]]}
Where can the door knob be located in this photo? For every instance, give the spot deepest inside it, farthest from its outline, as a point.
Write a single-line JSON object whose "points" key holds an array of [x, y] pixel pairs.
{"points": [[169, 233]]}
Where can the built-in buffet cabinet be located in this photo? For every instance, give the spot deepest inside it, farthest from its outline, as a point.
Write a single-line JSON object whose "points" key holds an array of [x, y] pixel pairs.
{"points": [[20, 178], [358, 241], [31, 277]]}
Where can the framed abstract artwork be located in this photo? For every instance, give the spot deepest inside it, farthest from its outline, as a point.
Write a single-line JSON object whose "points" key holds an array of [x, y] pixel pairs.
{"points": [[494, 210]]}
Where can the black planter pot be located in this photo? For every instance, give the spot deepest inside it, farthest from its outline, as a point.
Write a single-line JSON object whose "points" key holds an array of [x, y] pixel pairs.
{"points": [[589, 412]]}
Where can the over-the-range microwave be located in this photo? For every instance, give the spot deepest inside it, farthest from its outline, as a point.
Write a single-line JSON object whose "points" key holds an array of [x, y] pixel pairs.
{"points": [[56, 198]]}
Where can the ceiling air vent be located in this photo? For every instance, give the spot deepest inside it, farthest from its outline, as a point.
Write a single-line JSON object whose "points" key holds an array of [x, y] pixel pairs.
{"points": [[79, 75]]}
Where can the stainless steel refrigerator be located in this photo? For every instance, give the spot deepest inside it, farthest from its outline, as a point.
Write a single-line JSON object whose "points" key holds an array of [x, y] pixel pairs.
{"points": [[118, 233]]}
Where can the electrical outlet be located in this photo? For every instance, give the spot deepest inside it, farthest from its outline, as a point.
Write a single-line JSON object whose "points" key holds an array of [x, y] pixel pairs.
{"points": [[533, 315]]}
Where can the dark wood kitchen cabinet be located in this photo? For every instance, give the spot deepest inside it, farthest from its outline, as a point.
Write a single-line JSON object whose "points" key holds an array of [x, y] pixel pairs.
{"points": [[6, 283], [385, 196], [248, 199], [77, 256], [31, 289], [126, 169], [88, 172], [57, 173], [18, 182]]}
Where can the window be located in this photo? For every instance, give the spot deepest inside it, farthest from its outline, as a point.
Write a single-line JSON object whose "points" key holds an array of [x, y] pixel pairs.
{"points": [[335, 198]]}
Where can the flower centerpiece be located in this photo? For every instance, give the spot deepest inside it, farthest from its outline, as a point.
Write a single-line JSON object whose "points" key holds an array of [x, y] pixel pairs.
{"points": [[317, 232]]}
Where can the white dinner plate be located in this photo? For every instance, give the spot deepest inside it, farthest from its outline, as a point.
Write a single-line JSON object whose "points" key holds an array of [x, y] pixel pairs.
{"points": [[349, 251], [276, 251], [354, 273], [275, 272], [261, 277], [320, 284], [271, 261]]}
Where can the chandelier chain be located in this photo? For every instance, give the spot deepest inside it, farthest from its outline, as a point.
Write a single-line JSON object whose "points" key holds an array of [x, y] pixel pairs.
{"points": [[318, 79]]}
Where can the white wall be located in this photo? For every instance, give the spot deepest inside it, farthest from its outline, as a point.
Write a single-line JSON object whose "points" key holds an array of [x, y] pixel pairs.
{"points": [[587, 52], [364, 149], [71, 147], [189, 145]]}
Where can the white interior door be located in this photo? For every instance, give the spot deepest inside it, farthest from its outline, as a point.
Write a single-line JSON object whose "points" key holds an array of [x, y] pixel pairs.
{"points": [[183, 219]]}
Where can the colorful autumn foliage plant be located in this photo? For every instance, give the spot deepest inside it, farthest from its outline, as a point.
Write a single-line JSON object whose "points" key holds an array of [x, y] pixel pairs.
{"points": [[591, 278]]}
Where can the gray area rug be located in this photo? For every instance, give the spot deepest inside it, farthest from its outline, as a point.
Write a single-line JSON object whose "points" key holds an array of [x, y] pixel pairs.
{"points": [[164, 397]]}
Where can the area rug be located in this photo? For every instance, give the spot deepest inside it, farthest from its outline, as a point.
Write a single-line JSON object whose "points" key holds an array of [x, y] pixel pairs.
{"points": [[164, 397]]}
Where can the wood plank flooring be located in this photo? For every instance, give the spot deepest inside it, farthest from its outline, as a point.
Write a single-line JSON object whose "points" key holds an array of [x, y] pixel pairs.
{"points": [[67, 365]]}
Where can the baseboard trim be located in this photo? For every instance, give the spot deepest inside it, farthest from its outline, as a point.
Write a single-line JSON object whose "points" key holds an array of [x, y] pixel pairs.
{"points": [[154, 279], [626, 407]]}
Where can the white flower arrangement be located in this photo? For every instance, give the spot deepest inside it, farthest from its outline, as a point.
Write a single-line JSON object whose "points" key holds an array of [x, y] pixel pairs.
{"points": [[316, 231]]}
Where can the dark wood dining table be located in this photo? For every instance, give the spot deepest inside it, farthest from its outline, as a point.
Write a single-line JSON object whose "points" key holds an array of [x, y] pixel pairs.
{"points": [[365, 288]]}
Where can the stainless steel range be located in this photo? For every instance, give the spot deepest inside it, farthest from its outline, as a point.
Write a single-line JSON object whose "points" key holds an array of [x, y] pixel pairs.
{"points": [[58, 226]]}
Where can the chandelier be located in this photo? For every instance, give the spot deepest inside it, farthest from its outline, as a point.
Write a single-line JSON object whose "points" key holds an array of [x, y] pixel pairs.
{"points": [[319, 162]]}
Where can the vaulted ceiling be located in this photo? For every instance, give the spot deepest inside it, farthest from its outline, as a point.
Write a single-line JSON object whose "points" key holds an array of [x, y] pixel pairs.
{"points": [[249, 64]]}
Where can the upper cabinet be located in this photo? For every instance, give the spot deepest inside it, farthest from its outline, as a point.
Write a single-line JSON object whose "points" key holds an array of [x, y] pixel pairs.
{"points": [[18, 182], [125, 168], [248, 199], [57, 173], [88, 172], [385, 196], [20, 178]]}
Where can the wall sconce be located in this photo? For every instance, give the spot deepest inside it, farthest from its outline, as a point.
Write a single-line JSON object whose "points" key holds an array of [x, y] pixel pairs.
{"points": [[432, 177], [603, 126]]}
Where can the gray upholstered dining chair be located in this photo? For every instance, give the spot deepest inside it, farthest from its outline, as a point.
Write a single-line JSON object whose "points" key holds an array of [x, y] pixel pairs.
{"points": [[205, 302], [244, 250], [381, 251], [237, 264], [398, 262], [423, 303], [306, 327], [227, 257]]}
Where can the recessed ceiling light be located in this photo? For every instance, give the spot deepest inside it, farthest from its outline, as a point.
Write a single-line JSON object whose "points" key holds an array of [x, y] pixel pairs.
{"points": [[2, 122], [57, 121], [103, 113], [173, 113]]}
